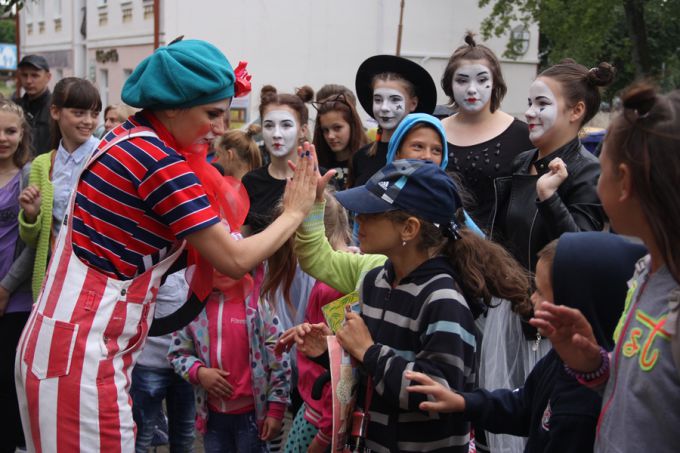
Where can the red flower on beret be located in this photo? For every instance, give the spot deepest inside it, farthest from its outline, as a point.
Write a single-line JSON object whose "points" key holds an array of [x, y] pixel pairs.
{"points": [[242, 85]]}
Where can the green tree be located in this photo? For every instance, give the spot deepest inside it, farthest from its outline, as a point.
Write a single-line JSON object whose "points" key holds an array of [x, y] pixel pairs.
{"points": [[7, 31], [7, 5], [640, 37]]}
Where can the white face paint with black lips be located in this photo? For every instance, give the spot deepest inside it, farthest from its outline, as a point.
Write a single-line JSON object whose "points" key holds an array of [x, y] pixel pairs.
{"points": [[472, 86], [542, 111], [389, 107], [280, 132]]}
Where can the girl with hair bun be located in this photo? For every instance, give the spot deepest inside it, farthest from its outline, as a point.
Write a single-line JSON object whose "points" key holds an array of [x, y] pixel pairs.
{"points": [[639, 190], [551, 191], [483, 140], [284, 127], [237, 153], [552, 187]]}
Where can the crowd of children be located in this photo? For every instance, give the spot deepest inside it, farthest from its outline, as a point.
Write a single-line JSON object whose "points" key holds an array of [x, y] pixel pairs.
{"points": [[500, 299]]}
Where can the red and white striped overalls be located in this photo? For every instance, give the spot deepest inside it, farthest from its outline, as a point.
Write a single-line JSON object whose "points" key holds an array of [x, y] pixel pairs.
{"points": [[76, 353]]}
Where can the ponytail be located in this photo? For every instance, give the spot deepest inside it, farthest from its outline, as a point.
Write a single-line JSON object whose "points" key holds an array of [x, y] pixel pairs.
{"points": [[483, 268]]}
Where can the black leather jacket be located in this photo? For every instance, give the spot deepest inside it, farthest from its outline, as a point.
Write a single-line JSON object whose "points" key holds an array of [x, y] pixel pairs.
{"points": [[525, 225]]}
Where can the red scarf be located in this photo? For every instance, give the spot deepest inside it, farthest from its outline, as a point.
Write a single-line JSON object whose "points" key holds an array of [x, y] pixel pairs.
{"points": [[228, 198]]}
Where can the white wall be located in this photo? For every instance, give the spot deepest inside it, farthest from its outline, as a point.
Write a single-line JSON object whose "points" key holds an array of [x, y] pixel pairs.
{"points": [[287, 43], [295, 42]]}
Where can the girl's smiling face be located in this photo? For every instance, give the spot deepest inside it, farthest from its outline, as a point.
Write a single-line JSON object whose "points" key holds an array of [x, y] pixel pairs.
{"points": [[391, 103], [11, 134], [423, 143], [76, 125], [543, 110]]}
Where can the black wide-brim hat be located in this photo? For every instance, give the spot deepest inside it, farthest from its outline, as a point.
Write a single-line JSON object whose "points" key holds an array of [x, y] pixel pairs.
{"points": [[409, 70]]}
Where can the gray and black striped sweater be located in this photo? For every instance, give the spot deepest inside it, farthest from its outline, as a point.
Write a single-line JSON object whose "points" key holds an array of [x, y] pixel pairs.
{"points": [[423, 324]]}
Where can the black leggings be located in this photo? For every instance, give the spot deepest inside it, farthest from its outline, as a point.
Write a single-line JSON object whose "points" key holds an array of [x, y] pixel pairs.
{"points": [[11, 325]]}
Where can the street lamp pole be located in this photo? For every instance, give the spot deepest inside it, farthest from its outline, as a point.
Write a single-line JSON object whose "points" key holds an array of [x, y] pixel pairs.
{"points": [[401, 26]]}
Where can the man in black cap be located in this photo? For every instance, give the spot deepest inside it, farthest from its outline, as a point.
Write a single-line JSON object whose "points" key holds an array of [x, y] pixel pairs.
{"points": [[34, 73]]}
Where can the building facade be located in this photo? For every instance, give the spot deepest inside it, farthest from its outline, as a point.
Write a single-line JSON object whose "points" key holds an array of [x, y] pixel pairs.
{"points": [[287, 43], [102, 40]]}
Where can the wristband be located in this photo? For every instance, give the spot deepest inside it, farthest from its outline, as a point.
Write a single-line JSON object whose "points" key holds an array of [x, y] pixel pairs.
{"points": [[598, 374]]}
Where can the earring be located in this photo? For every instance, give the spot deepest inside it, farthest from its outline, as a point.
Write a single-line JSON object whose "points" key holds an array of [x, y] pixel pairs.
{"points": [[403, 243]]}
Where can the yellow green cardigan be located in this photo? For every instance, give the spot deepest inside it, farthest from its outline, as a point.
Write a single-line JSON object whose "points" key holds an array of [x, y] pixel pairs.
{"points": [[37, 235]]}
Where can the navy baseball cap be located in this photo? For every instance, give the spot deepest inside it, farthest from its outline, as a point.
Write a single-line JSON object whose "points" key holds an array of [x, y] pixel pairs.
{"points": [[36, 61], [417, 187]]}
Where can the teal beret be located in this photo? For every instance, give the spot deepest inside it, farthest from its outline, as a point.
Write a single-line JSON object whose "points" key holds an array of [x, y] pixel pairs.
{"points": [[181, 75]]}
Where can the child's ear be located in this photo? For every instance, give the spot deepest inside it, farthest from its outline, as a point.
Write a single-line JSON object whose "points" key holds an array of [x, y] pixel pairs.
{"points": [[54, 112], [577, 112], [410, 229], [625, 182], [412, 104], [303, 133]]}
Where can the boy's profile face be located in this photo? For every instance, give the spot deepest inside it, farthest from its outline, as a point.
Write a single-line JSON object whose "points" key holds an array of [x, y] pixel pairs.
{"points": [[543, 281]]}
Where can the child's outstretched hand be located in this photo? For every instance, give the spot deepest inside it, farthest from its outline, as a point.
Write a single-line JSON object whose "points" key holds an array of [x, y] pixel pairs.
{"points": [[570, 335], [445, 400], [29, 200], [310, 339], [551, 181], [214, 381]]}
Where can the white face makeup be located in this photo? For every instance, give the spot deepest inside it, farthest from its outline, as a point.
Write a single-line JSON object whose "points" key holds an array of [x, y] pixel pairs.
{"points": [[472, 85], [389, 107], [542, 111], [280, 132]]}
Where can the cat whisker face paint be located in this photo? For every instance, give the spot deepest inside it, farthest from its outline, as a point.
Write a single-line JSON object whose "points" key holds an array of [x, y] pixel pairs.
{"points": [[543, 110], [280, 131], [472, 86], [389, 107]]}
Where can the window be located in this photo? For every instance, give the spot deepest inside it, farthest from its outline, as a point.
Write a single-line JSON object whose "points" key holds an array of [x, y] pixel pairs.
{"points": [[519, 39], [57, 8], [103, 18], [148, 10], [126, 10]]}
